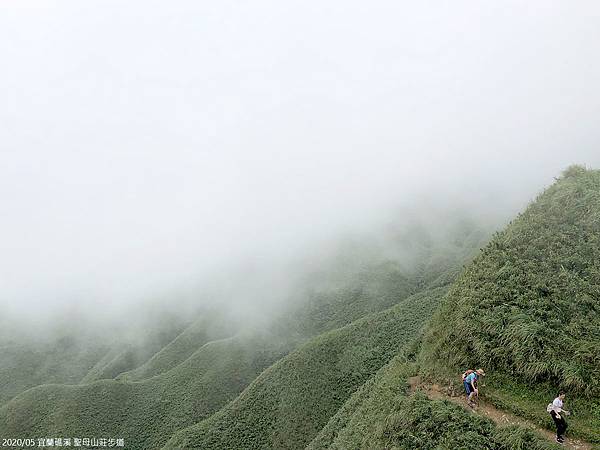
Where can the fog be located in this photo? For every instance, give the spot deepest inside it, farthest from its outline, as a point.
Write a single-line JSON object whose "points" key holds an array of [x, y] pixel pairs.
{"points": [[149, 147]]}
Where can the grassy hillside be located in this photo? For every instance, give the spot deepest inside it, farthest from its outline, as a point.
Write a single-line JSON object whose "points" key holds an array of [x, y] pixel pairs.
{"points": [[336, 304], [186, 380], [25, 363], [207, 328], [357, 283], [331, 371], [382, 414], [164, 379], [357, 421], [420, 423], [291, 401], [145, 413], [75, 350], [135, 346], [527, 308]]}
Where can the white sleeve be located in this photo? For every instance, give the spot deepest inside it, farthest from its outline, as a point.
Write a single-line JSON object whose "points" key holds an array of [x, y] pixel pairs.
{"points": [[557, 405]]}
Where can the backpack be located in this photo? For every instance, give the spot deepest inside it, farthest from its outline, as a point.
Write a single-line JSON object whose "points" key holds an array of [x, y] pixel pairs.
{"points": [[550, 407], [467, 373]]}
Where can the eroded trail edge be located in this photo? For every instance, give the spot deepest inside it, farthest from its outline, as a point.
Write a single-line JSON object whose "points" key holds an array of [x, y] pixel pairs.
{"points": [[500, 417]]}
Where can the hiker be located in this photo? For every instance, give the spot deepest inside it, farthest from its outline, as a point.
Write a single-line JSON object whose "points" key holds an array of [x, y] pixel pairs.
{"points": [[470, 379], [557, 413]]}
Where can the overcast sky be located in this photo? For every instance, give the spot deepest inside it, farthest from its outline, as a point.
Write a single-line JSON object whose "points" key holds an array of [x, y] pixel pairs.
{"points": [[143, 142]]}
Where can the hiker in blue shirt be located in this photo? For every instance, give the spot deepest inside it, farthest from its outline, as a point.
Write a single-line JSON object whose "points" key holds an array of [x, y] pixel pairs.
{"points": [[470, 379]]}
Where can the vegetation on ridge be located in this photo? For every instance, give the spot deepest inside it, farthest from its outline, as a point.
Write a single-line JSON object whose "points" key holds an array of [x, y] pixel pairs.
{"points": [[290, 402], [527, 308]]}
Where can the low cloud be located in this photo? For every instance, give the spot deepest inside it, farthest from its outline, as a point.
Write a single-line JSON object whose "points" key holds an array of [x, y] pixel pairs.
{"points": [[149, 148]]}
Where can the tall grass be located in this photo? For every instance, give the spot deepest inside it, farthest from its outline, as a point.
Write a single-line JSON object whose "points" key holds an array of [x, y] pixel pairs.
{"points": [[529, 303]]}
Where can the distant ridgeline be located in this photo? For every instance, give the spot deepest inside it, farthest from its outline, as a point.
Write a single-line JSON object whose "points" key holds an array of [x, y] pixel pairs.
{"points": [[331, 371]]}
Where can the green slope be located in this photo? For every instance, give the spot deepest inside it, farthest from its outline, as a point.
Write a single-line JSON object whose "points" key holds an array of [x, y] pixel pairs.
{"points": [[420, 423], [207, 328], [381, 415], [24, 364], [136, 406], [292, 400], [370, 290], [356, 284], [145, 413], [146, 389], [358, 420], [134, 347], [527, 308], [120, 358], [72, 350]]}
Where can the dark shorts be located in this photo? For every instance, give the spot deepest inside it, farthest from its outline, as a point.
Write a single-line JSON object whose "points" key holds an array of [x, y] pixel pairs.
{"points": [[468, 388]]}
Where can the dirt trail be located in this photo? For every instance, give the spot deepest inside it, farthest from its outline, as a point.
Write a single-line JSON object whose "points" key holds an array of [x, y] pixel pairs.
{"points": [[502, 418]]}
